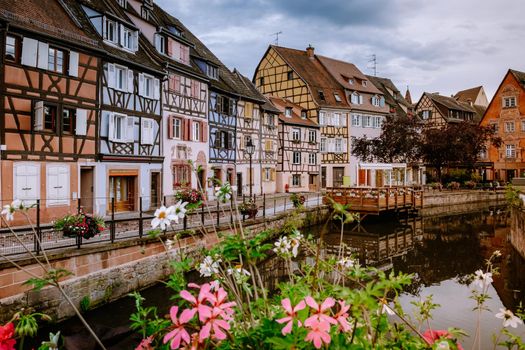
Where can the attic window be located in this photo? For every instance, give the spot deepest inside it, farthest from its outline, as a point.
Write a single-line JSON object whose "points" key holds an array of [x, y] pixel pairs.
{"points": [[288, 111], [364, 82], [174, 30], [303, 114], [321, 94], [122, 3], [350, 81], [145, 13], [337, 97], [289, 75], [212, 72], [261, 81]]}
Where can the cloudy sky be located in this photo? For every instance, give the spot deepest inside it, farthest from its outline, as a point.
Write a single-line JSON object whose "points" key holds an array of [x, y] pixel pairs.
{"points": [[429, 45]]}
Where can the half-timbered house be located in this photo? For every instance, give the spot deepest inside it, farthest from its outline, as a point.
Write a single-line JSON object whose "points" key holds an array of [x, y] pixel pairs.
{"points": [[298, 151], [253, 112], [185, 97], [437, 110], [299, 76], [48, 109], [129, 167], [506, 113]]}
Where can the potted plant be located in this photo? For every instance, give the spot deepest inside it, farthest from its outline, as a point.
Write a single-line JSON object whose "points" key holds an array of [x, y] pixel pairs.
{"points": [[192, 196], [82, 225], [297, 200], [249, 208]]}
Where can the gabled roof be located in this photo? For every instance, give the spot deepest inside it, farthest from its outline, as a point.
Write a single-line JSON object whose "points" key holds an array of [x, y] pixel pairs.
{"points": [[385, 84], [468, 94], [250, 89], [315, 76], [342, 71], [295, 119], [450, 102], [45, 17], [520, 77]]}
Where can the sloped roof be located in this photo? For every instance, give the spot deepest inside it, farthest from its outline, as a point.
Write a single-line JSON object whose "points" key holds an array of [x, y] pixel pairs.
{"points": [[520, 76], [385, 84], [315, 76], [468, 94], [295, 119], [341, 71], [45, 17], [450, 102], [255, 94]]}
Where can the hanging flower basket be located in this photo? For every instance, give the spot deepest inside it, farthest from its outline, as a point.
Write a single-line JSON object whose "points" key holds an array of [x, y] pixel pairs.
{"points": [[82, 225], [192, 196]]}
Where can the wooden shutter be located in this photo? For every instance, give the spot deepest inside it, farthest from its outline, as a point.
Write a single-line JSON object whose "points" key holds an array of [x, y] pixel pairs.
{"points": [[156, 89], [171, 122], [204, 132], [158, 43], [39, 116], [195, 86], [248, 110], [81, 122], [177, 83], [73, 63], [272, 174], [170, 47], [121, 32], [231, 140], [111, 126], [29, 52], [146, 131], [43, 55], [135, 38], [111, 75], [130, 129], [175, 50], [141, 84], [104, 123], [343, 120], [131, 81], [57, 184], [26, 182], [360, 99]]}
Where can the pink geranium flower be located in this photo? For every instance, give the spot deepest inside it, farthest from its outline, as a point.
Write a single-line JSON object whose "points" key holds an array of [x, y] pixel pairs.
{"points": [[218, 301], [145, 344], [213, 321], [342, 316], [179, 333], [7, 334], [432, 336], [198, 304], [318, 333], [319, 314], [291, 314]]}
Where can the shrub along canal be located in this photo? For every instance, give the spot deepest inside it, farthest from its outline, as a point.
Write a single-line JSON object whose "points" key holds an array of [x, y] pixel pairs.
{"points": [[440, 251]]}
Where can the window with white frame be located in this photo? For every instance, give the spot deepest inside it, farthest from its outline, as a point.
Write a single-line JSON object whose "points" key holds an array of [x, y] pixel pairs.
{"points": [[296, 135], [177, 128], [296, 159], [338, 145], [312, 136], [356, 120], [337, 119], [296, 180], [510, 151], [337, 97], [376, 122], [425, 114], [288, 111], [267, 174], [149, 88], [509, 127], [376, 101], [322, 144], [495, 125], [118, 131], [111, 31], [127, 38], [355, 98], [367, 121], [121, 78], [321, 118], [509, 102], [312, 158], [196, 131]]}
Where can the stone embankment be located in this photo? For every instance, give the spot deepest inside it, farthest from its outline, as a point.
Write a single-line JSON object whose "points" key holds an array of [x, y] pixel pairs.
{"points": [[517, 230], [446, 202]]}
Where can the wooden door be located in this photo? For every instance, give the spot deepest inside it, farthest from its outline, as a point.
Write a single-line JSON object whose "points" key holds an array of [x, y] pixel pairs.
{"points": [[239, 184], [379, 178], [155, 190], [323, 177], [362, 177], [86, 190], [338, 175], [122, 189]]}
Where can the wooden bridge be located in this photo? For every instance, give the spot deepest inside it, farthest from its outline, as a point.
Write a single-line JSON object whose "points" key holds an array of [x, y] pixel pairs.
{"points": [[374, 200]]}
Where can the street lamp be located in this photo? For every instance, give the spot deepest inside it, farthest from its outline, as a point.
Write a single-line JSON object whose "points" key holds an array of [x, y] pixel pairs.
{"points": [[250, 149]]}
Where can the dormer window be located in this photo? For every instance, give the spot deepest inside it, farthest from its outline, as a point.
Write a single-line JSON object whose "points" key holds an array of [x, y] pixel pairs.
{"points": [[127, 38], [289, 75], [356, 99], [376, 101], [111, 32], [321, 95], [364, 82], [119, 34], [212, 72], [160, 43], [122, 3], [337, 97], [175, 31], [303, 114], [350, 81], [288, 111]]}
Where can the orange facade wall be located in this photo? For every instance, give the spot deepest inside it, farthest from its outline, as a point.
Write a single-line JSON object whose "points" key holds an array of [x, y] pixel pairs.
{"points": [[497, 114]]}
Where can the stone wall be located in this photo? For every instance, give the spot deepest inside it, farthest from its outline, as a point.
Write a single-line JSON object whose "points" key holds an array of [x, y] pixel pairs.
{"points": [[107, 272], [447, 198], [517, 230]]}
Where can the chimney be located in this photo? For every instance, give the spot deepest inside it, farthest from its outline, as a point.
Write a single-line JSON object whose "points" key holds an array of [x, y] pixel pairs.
{"points": [[310, 51]]}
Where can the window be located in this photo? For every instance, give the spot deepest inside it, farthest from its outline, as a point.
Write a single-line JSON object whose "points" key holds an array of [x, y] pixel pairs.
{"points": [[337, 97], [322, 145], [321, 118], [303, 114], [267, 174], [110, 32], [225, 140], [181, 176], [121, 75], [12, 48], [312, 158], [356, 120], [270, 120], [510, 151], [289, 75], [312, 135], [148, 86], [119, 128], [367, 121], [212, 72], [55, 61], [296, 158], [376, 122], [57, 184], [68, 120], [364, 82], [350, 81], [177, 128], [321, 95], [376, 101], [296, 180], [247, 139], [425, 114], [127, 37], [483, 154], [161, 43], [509, 126], [261, 81], [50, 117], [26, 186], [355, 98], [509, 102], [338, 145], [495, 125], [337, 119], [296, 135], [196, 131]]}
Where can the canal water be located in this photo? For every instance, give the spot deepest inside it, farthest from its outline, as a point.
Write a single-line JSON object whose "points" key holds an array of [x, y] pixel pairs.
{"points": [[440, 251]]}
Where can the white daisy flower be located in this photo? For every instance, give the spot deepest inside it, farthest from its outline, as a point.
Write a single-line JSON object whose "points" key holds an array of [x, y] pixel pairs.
{"points": [[282, 246], [346, 263], [163, 217], [482, 279], [179, 210], [209, 267], [509, 319], [238, 271], [385, 308]]}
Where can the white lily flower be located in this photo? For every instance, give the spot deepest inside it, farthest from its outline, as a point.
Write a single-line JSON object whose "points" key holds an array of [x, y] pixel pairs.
{"points": [[209, 267], [509, 319], [238, 271], [385, 308], [10, 209], [163, 217], [295, 243], [282, 246], [179, 210], [482, 279]]}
